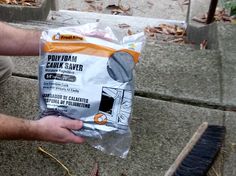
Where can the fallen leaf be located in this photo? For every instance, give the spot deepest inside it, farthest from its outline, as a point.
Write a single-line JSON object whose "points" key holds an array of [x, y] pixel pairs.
{"points": [[220, 15], [73, 9], [203, 45], [120, 9], [186, 2], [180, 31], [19, 2], [89, 1], [94, 172], [123, 174], [26, 4], [117, 11], [199, 20], [124, 8], [129, 32], [53, 18], [92, 8], [150, 3], [14, 2], [177, 40], [100, 7], [123, 25], [167, 33]]}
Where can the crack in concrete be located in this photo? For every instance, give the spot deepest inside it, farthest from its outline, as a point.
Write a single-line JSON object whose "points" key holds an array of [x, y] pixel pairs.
{"points": [[24, 76], [191, 102], [164, 97]]}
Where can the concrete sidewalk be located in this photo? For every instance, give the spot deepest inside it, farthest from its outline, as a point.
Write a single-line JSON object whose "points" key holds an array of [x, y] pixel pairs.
{"points": [[177, 88], [160, 130]]}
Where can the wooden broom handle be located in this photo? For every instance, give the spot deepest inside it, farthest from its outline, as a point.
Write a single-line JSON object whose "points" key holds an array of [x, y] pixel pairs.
{"points": [[197, 135]]}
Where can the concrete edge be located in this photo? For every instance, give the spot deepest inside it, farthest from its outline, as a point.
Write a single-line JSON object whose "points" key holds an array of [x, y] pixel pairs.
{"points": [[208, 32], [197, 32], [11, 13], [138, 22]]}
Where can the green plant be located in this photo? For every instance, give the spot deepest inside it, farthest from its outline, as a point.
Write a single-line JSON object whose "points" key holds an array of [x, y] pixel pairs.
{"points": [[229, 5]]}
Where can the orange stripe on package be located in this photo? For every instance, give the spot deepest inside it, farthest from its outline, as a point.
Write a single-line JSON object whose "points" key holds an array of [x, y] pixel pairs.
{"points": [[86, 73]]}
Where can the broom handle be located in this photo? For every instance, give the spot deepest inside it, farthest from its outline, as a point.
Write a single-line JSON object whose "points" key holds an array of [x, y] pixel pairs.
{"points": [[197, 135], [211, 11]]}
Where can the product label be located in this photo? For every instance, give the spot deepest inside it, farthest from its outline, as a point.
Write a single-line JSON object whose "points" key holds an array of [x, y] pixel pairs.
{"points": [[80, 87]]}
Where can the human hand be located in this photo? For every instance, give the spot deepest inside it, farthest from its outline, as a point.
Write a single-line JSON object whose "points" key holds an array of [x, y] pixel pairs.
{"points": [[57, 129]]}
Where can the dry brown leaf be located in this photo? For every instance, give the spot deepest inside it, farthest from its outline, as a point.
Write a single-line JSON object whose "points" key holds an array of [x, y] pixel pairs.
{"points": [[26, 4], [150, 3], [220, 15], [199, 20], [120, 9], [117, 11], [226, 18], [167, 33], [186, 2], [100, 7], [154, 30], [166, 29], [19, 2], [95, 170], [203, 45], [89, 1], [13, 2], [177, 40], [112, 7], [124, 8], [92, 8], [123, 174], [180, 31], [53, 18], [129, 32], [123, 25], [73, 9]]}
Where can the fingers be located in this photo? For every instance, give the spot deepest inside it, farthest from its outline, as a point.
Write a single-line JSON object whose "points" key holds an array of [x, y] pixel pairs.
{"points": [[58, 129], [76, 139], [72, 124]]}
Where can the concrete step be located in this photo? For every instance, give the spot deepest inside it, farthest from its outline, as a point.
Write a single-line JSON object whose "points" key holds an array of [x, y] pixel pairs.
{"points": [[68, 17], [178, 72], [160, 130], [144, 8], [166, 70]]}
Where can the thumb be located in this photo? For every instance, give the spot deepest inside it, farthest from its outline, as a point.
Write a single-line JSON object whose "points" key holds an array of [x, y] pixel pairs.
{"points": [[72, 124]]}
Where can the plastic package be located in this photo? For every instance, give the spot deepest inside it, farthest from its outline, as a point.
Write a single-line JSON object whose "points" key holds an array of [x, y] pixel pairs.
{"points": [[86, 73]]}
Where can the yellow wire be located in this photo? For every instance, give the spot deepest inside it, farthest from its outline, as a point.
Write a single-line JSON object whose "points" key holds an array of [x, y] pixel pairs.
{"points": [[58, 161]]}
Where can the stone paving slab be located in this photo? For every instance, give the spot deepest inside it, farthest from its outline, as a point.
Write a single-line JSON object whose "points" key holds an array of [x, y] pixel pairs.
{"points": [[230, 150], [19, 97], [160, 131], [171, 70], [227, 45], [25, 65], [180, 72]]}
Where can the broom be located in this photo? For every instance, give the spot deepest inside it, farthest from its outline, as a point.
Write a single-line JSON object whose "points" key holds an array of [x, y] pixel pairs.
{"points": [[200, 152]]}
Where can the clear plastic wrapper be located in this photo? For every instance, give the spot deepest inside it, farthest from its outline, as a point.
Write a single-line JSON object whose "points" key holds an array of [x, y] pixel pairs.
{"points": [[86, 73]]}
